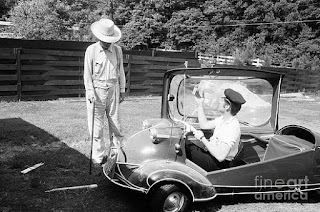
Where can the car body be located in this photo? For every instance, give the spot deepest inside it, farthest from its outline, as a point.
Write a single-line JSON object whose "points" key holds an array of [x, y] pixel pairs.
{"points": [[269, 160]]}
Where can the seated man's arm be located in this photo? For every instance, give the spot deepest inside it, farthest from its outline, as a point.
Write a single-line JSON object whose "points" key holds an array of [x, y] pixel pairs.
{"points": [[203, 121], [221, 148], [220, 152]]}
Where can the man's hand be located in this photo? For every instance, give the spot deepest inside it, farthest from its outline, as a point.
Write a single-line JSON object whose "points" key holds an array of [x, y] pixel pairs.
{"points": [[90, 96], [122, 94], [189, 127], [198, 134], [199, 98], [199, 101]]}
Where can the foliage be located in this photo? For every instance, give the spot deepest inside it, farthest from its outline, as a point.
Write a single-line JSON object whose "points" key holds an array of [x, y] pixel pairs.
{"points": [[52, 19], [36, 20], [145, 30], [186, 28], [5, 6], [283, 30]]}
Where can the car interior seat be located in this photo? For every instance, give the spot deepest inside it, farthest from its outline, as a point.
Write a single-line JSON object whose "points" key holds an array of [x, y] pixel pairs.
{"points": [[283, 145], [237, 161]]}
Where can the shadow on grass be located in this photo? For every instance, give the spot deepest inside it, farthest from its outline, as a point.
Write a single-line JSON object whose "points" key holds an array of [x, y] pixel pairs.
{"points": [[23, 145]]}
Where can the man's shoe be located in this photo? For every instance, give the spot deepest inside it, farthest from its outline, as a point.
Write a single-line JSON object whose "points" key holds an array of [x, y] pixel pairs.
{"points": [[104, 160], [97, 165]]}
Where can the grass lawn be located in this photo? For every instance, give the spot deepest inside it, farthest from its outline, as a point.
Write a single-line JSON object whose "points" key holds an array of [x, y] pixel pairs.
{"points": [[55, 133]]}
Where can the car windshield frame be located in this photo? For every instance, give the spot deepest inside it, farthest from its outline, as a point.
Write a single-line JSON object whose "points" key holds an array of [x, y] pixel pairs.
{"points": [[273, 79]]}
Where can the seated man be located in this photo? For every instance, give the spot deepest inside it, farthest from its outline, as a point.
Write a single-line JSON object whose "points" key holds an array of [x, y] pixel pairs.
{"points": [[223, 144]]}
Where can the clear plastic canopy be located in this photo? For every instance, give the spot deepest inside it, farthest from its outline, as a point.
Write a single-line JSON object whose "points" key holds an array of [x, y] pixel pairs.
{"points": [[257, 93]]}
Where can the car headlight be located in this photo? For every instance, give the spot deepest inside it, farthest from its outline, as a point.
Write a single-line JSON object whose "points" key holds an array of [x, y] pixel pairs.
{"points": [[156, 135], [146, 124], [153, 135]]}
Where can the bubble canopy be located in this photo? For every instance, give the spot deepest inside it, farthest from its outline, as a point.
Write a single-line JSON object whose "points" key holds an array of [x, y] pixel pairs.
{"points": [[257, 91]]}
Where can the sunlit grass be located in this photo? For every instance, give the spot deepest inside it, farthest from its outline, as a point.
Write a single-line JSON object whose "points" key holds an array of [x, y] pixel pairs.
{"points": [[55, 132]]}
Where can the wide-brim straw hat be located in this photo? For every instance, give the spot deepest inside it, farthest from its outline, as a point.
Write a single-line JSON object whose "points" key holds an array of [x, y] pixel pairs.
{"points": [[106, 31]]}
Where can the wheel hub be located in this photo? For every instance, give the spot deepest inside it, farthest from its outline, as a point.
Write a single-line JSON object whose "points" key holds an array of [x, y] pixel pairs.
{"points": [[174, 202]]}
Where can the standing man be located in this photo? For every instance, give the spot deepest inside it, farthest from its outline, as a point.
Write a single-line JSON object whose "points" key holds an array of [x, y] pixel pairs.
{"points": [[223, 144], [104, 81]]}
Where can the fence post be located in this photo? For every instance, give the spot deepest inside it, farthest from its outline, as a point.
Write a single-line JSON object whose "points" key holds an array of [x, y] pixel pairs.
{"points": [[18, 63], [129, 57], [80, 78], [153, 53]]}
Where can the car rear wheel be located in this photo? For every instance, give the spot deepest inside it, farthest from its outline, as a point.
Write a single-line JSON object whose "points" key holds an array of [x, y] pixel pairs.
{"points": [[169, 198]]}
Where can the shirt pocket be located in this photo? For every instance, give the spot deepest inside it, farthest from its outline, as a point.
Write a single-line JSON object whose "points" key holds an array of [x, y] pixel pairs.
{"points": [[98, 64]]}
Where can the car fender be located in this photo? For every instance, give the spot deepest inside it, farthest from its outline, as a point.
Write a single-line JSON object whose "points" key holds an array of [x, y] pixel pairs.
{"points": [[160, 172]]}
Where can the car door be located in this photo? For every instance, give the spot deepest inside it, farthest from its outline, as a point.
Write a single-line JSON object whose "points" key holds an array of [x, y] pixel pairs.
{"points": [[286, 171]]}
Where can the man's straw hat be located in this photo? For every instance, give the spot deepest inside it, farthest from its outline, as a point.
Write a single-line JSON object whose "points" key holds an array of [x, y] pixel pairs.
{"points": [[106, 31]]}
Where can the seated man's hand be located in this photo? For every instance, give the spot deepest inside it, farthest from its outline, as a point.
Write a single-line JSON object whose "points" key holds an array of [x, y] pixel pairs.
{"points": [[188, 127], [198, 134], [199, 100]]}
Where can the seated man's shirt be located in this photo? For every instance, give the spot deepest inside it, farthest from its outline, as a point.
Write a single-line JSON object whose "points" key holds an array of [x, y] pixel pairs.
{"points": [[227, 132]]}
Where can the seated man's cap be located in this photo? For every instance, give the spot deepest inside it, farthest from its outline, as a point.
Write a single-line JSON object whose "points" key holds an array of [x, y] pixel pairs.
{"points": [[234, 96]]}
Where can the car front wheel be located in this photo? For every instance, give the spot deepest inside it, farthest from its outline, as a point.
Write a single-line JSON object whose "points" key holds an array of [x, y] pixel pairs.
{"points": [[169, 198]]}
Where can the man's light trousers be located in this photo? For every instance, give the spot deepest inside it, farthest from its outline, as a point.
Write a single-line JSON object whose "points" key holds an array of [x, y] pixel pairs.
{"points": [[106, 106]]}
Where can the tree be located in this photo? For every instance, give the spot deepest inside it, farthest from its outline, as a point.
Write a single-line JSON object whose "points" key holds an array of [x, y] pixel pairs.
{"points": [[145, 30], [219, 12], [78, 15], [35, 19], [280, 29], [148, 22], [53, 19], [143, 33], [187, 28], [5, 6]]}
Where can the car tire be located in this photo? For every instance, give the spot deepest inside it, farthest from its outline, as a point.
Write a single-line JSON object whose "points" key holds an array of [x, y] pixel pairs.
{"points": [[169, 198]]}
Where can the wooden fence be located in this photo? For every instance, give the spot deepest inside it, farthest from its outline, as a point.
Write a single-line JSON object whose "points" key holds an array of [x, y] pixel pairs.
{"points": [[295, 79], [39, 71], [34, 70], [300, 80]]}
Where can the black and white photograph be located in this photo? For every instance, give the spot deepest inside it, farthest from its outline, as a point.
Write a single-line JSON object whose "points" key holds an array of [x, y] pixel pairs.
{"points": [[159, 105]]}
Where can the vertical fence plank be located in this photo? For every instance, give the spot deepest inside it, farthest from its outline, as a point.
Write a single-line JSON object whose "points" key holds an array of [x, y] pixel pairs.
{"points": [[129, 57], [79, 86], [18, 63]]}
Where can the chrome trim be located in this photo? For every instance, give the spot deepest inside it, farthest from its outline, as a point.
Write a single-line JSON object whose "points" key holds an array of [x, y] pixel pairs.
{"points": [[267, 186], [182, 173], [278, 106], [269, 192], [143, 190], [126, 180], [130, 164], [172, 180], [157, 125], [121, 177], [206, 199]]}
